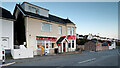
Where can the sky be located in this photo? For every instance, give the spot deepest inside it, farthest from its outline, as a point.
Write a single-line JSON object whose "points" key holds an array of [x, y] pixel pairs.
{"points": [[90, 17]]}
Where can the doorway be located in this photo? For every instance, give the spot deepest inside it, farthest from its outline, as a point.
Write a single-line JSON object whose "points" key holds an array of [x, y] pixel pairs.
{"points": [[5, 42], [64, 46]]}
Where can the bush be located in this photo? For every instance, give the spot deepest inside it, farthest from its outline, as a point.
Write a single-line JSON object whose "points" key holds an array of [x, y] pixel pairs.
{"points": [[8, 56], [81, 41]]}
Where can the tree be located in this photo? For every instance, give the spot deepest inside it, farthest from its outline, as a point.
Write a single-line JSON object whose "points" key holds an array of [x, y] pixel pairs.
{"points": [[81, 41]]}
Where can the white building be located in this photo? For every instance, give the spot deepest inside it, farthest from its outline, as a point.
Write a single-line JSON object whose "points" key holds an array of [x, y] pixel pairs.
{"points": [[113, 45], [90, 36], [6, 29]]}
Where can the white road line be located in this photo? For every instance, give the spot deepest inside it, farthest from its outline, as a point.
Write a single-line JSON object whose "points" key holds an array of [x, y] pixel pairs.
{"points": [[118, 52], [86, 60], [8, 64]]}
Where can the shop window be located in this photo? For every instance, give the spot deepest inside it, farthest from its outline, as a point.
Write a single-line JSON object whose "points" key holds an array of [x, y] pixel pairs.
{"points": [[69, 45], [39, 43], [46, 45], [53, 45], [72, 43]]}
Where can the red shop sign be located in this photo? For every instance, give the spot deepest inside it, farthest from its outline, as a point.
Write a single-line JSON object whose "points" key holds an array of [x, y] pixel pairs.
{"points": [[43, 38], [70, 37]]}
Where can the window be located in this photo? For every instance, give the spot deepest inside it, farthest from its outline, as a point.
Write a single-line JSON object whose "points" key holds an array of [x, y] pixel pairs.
{"points": [[37, 11], [46, 27], [46, 45], [53, 45], [69, 45], [69, 32], [60, 29], [72, 30], [72, 43], [39, 43], [33, 9], [30, 8]]}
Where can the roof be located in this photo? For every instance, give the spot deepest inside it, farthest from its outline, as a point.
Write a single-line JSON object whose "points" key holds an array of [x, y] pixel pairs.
{"points": [[60, 39], [5, 14], [35, 6], [81, 36], [51, 18]]}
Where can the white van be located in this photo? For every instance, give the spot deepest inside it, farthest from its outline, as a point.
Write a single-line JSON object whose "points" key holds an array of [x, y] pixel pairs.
{"points": [[2, 55]]}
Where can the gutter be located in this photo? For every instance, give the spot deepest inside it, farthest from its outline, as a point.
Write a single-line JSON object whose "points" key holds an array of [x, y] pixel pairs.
{"points": [[21, 11]]}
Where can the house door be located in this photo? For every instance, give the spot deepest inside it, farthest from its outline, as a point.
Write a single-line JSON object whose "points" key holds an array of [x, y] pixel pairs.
{"points": [[5, 42], [64, 47]]}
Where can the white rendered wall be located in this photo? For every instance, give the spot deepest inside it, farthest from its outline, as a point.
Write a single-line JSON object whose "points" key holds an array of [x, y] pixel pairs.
{"points": [[0, 39], [7, 31], [113, 46], [22, 53]]}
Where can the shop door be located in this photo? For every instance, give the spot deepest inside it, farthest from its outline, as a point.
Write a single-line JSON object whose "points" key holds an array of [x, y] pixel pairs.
{"points": [[64, 47], [47, 45]]}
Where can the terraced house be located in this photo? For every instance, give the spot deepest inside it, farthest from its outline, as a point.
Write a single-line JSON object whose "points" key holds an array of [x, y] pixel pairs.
{"points": [[35, 26]]}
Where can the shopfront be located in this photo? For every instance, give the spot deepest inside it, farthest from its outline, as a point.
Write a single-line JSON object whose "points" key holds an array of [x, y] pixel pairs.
{"points": [[71, 44], [62, 44], [47, 42]]}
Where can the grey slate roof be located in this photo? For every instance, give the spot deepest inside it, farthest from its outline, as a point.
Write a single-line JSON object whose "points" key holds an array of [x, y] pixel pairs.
{"points": [[51, 18], [5, 13]]}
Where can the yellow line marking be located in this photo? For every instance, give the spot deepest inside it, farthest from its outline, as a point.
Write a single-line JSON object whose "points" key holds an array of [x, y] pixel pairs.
{"points": [[8, 64]]}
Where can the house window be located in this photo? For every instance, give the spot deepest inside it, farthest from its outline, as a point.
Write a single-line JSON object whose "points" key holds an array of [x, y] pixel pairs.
{"points": [[72, 43], [60, 29], [46, 27], [72, 30], [69, 31]]}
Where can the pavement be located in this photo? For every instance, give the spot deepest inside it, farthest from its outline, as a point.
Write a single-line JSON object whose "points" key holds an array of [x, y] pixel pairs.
{"points": [[101, 58], [36, 58]]}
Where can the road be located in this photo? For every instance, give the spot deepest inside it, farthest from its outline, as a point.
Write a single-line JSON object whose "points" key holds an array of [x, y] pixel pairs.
{"points": [[101, 58]]}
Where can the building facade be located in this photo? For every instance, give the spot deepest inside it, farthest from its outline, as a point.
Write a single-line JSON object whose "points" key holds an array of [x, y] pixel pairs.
{"points": [[35, 26], [6, 29]]}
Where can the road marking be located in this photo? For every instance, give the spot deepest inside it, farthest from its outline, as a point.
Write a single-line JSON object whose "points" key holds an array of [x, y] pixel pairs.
{"points": [[87, 60], [8, 64], [60, 67], [118, 52]]}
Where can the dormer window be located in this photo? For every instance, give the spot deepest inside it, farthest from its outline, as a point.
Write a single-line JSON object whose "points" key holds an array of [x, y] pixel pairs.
{"points": [[33, 9], [37, 11]]}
